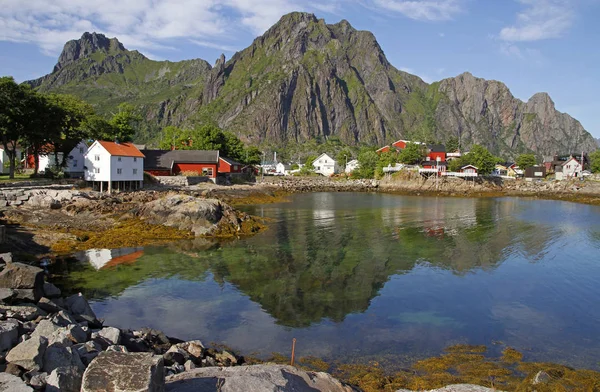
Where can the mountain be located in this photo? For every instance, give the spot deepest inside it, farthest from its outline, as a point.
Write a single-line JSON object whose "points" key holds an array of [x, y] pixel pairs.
{"points": [[304, 79]]}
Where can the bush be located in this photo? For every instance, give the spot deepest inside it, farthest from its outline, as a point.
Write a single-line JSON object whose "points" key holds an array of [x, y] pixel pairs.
{"points": [[190, 173]]}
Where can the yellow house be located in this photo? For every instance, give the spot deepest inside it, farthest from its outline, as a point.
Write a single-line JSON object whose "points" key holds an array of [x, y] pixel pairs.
{"points": [[505, 170]]}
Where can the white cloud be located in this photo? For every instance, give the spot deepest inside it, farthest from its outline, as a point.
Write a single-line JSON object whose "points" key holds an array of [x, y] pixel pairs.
{"points": [[143, 24], [213, 45], [529, 55], [541, 19], [433, 10]]}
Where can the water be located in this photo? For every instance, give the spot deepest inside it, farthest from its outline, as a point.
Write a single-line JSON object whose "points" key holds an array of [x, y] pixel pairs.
{"points": [[371, 276]]}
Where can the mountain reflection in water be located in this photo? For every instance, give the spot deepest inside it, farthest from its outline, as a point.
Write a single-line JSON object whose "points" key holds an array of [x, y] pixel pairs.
{"points": [[373, 276]]}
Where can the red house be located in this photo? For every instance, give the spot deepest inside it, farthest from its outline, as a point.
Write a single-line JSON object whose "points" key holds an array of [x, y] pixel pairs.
{"points": [[229, 166], [397, 145], [174, 162]]}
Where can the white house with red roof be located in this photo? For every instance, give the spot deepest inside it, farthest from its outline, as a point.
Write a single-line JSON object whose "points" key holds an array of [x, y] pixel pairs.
{"points": [[114, 165]]}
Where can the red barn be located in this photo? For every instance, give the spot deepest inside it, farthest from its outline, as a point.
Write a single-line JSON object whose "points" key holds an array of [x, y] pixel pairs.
{"points": [[173, 162], [397, 145]]}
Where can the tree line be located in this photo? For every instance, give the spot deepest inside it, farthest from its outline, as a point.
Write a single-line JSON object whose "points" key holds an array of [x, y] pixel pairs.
{"points": [[54, 123]]}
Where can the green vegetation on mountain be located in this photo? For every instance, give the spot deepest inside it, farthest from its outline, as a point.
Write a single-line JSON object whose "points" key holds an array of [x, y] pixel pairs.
{"points": [[304, 79]]}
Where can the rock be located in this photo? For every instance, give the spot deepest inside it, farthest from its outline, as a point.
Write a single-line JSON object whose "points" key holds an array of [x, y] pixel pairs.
{"points": [[90, 321], [65, 379], [541, 378], [48, 305], [176, 355], [124, 372], [23, 312], [51, 291], [10, 383], [111, 335], [118, 349], [257, 378], [9, 334], [77, 334], [29, 354], [45, 328], [58, 355], [6, 258], [26, 295], [6, 295], [88, 351], [63, 319], [194, 347], [189, 365], [226, 358], [22, 276], [15, 370], [37, 380], [79, 306], [209, 361]]}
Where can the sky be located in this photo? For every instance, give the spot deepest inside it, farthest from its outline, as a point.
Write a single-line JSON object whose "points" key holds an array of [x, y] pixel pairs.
{"points": [[531, 45]]}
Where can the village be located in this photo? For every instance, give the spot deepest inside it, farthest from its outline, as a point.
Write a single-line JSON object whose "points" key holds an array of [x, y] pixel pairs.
{"points": [[111, 165]]}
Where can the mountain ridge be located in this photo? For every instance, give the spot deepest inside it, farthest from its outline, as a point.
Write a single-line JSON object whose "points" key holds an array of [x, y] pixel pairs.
{"points": [[304, 79]]}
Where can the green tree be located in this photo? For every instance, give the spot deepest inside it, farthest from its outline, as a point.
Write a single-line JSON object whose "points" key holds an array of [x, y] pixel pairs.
{"points": [[526, 160], [208, 137], [452, 144], [411, 154], [252, 156], [481, 158], [455, 165], [595, 161], [125, 122], [16, 115], [174, 138], [344, 155], [234, 147], [368, 160]]}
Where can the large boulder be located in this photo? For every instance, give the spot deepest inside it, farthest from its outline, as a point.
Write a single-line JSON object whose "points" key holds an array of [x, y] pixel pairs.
{"points": [[23, 276], [57, 355], [10, 383], [124, 372], [29, 354], [64, 379], [79, 306], [22, 312], [257, 378], [9, 334], [51, 291]]}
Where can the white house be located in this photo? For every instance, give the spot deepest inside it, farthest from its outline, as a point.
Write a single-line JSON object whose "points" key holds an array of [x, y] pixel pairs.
{"points": [[282, 168], [325, 165], [571, 168], [113, 165], [352, 165], [5, 161], [100, 258], [76, 159]]}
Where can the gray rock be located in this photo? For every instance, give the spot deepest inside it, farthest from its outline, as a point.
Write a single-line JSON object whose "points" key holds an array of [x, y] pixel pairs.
{"points": [[58, 355], [117, 348], [22, 276], [6, 257], [124, 372], [176, 355], [194, 347], [78, 305], [29, 354], [22, 312], [65, 379], [541, 378], [48, 305], [189, 365], [27, 295], [111, 335], [226, 358], [45, 328], [77, 334], [10, 383], [36, 379], [51, 291], [6, 295], [63, 319], [257, 378], [9, 334]]}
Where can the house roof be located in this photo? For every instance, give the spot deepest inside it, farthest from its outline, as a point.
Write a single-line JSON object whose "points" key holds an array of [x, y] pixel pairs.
{"points": [[570, 159], [437, 148], [121, 149], [474, 167], [229, 161], [322, 155], [165, 159]]}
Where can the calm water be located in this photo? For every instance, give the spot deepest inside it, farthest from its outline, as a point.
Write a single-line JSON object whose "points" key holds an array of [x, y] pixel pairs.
{"points": [[365, 276]]}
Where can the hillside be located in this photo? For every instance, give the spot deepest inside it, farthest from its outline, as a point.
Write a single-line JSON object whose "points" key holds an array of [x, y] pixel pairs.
{"points": [[303, 79]]}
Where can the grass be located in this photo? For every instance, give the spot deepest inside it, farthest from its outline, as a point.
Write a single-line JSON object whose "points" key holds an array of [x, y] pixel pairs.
{"points": [[18, 177]]}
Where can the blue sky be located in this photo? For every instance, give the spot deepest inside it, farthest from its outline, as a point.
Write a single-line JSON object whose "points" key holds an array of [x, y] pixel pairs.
{"points": [[531, 45]]}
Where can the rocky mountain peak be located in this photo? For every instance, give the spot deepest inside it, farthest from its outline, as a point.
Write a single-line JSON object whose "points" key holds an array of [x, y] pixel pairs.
{"points": [[88, 44]]}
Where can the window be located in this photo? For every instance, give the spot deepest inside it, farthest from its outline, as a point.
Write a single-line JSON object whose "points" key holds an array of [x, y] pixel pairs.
{"points": [[97, 170], [134, 159], [235, 167], [81, 150], [134, 171], [118, 159], [119, 171], [97, 157], [75, 163], [207, 171]]}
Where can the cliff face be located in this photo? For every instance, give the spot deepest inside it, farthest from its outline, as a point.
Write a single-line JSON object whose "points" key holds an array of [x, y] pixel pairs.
{"points": [[303, 79]]}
